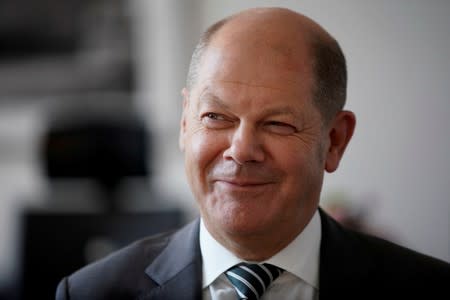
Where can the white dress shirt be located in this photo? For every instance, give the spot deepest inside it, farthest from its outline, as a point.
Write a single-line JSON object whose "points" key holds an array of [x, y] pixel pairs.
{"points": [[299, 259]]}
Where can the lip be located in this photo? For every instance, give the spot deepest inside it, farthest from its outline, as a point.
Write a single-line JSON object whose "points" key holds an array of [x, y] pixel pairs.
{"points": [[242, 183]]}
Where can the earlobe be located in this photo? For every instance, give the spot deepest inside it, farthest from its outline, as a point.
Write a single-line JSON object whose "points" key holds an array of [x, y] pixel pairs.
{"points": [[340, 133], [185, 94]]}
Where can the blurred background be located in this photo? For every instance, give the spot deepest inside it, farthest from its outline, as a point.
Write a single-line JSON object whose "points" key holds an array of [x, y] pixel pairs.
{"points": [[89, 112]]}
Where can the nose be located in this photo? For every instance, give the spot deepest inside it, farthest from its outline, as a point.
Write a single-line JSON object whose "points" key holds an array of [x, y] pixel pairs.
{"points": [[245, 146]]}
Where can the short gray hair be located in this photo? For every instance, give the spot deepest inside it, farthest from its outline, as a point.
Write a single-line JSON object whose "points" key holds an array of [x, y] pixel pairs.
{"points": [[199, 50]]}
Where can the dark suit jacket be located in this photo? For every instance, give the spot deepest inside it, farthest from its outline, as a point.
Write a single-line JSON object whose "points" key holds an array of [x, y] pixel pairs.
{"points": [[352, 266]]}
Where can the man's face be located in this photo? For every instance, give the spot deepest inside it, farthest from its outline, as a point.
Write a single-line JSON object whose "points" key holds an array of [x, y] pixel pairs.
{"points": [[253, 140]]}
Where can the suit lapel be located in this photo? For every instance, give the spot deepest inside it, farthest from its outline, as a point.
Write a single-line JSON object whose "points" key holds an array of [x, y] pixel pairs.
{"points": [[178, 269], [344, 266]]}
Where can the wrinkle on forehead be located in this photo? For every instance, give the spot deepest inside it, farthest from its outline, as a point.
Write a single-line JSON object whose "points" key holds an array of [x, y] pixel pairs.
{"points": [[254, 85], [213, 87], [241, 69], [256, 60], [266, 105], [292, 56]]}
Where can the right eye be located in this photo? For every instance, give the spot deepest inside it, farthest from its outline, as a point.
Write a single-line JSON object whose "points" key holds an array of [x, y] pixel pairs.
{"points": [[215, 120], [213, 116]]}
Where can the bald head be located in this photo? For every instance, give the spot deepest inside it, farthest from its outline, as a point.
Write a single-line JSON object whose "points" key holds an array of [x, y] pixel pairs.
{"points": [[294, 42]]}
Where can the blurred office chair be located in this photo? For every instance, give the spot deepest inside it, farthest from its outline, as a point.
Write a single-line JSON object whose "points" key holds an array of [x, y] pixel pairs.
{"points": [[106, 151]]}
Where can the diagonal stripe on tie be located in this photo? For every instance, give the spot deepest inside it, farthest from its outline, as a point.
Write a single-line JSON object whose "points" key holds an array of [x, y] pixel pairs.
{"points": [[251, 280], [242, 286], [258, 277]]}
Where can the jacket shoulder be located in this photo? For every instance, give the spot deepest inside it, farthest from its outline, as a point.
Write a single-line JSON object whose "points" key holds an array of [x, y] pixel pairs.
{"points": [[370, 263], [399, 260], [120, 275]]}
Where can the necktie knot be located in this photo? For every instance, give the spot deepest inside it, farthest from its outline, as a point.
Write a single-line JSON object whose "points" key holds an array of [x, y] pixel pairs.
{"points": [[251, 280]]}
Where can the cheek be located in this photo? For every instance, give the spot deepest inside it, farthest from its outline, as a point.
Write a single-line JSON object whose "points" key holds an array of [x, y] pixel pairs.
{"points": [[203, 148], [303, 171]]}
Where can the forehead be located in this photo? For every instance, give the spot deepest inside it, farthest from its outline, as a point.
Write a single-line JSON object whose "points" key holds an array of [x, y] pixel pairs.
{"points": [[251, 72], [258, 56], [259, 52]]}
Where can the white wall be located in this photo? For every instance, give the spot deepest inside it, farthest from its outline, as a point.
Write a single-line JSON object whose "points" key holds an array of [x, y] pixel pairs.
{"points": [[399, 71]]}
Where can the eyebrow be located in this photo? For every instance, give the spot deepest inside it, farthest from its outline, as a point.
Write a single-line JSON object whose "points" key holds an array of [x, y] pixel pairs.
{"points": [[284, 110], [209, 97]]}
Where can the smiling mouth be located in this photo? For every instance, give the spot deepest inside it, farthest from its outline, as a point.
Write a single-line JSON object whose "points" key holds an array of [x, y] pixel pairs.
{"points": [[245, 183], [242, 184]]}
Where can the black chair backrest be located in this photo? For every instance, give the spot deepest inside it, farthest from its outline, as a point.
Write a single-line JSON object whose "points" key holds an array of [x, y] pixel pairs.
{"points": [[55, 245]]}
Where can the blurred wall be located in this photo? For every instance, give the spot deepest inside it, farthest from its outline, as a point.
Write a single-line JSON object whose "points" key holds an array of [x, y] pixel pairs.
{"points": [[396, 166], [54, 56]]}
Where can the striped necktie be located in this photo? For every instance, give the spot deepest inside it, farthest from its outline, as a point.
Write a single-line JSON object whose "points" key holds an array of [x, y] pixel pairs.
{"points": [[251, 280]]}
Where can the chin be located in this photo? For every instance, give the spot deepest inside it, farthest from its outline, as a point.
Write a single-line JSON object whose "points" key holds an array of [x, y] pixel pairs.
{"points": [[242, 223], [239, 216]]}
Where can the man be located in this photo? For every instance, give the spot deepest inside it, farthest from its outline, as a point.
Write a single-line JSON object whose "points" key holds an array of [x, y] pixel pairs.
{"points": [[262, 119]]}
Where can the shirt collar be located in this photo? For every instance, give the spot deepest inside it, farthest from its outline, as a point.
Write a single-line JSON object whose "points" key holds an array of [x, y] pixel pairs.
{"points": [[300, 257]]}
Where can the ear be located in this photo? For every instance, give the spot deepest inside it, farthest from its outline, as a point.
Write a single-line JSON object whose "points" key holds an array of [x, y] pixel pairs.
{"points": [[340, 132], [185, 94]]}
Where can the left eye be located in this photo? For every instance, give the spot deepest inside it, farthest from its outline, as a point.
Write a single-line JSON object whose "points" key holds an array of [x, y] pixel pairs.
{"points": [[280, 128]]}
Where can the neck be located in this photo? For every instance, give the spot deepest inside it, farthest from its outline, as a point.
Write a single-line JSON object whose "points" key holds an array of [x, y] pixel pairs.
{"points": [[256, 247]]}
